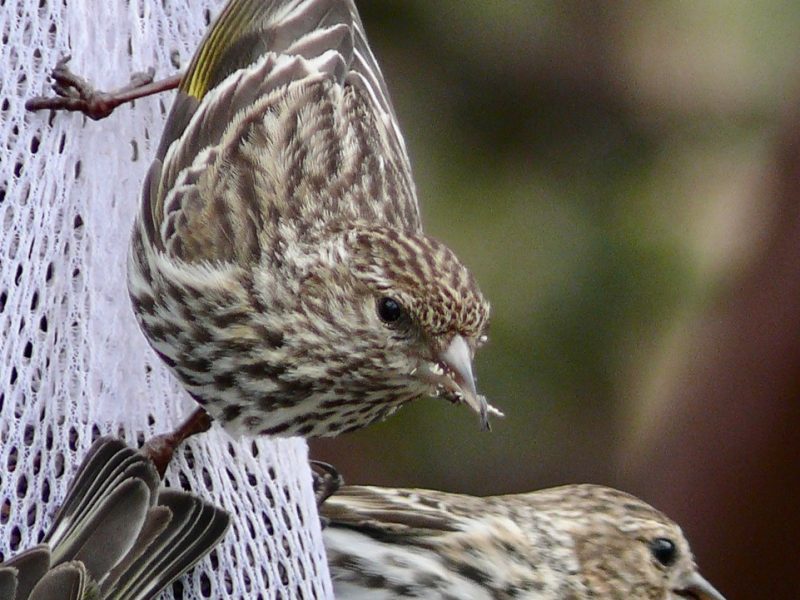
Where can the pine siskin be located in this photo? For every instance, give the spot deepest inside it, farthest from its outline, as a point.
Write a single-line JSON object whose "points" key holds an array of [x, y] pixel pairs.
{"points": [[278, 264], [573, 542], [116, 535]]}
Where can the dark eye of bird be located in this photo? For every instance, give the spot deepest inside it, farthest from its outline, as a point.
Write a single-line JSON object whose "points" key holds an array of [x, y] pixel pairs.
{"points": [[664, 551], [389, 310]]}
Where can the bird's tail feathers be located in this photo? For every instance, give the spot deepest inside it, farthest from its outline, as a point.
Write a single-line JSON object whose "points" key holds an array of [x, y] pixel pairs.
{"points": [[116, 536]]}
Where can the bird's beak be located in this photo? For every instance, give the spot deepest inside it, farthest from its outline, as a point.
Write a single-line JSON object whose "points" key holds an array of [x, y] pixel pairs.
{"points": [[454, 377], [697, 587]]}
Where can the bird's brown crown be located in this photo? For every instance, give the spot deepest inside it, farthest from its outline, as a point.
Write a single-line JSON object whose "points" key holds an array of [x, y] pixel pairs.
{"points": [[437, 291]]}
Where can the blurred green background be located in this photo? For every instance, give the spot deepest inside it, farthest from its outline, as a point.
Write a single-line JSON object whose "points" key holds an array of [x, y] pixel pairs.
{"points": [[619, 177]]}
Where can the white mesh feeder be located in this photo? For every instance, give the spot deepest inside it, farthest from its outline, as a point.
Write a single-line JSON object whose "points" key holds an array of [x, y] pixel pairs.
{"points": [[73, 364]]}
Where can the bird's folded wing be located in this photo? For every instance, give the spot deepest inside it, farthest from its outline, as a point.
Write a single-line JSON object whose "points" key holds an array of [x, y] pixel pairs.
{"points": [[376, 512], [19, 575], [67, 581], [242, 73], [193, 529], [108, 500]]}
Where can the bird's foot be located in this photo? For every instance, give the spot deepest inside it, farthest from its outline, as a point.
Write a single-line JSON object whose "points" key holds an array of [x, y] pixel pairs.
{"points": [[326, 482], [74, 93]]}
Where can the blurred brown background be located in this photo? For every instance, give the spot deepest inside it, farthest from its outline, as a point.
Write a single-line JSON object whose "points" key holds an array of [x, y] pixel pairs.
{"points": [[624, 180]]}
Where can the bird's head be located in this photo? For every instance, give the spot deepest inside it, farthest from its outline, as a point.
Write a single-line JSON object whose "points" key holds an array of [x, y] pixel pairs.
{"points": [[661, 562], [406, 311], [627, 548]]}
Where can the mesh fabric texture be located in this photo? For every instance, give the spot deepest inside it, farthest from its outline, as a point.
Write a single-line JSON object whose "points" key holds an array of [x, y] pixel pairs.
{"points": [[73, 364]]}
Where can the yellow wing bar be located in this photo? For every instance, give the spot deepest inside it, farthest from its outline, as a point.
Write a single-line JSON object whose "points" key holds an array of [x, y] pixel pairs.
{"points": [[235, 20]]}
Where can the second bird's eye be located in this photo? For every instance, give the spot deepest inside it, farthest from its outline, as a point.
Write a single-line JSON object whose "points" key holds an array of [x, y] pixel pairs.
{"points": [[664, 551], [389, 310]]}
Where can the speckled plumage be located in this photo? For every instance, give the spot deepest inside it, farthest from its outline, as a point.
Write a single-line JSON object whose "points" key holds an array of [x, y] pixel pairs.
{"points": [[574, 542], [278, 213]]}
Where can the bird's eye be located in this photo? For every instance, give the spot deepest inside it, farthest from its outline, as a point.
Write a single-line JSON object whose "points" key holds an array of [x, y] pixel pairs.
{"points": [[664, 551], [389, 310]]}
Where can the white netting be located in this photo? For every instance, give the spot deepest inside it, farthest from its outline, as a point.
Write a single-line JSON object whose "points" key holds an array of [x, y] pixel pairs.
{"points": [[72, 361]]}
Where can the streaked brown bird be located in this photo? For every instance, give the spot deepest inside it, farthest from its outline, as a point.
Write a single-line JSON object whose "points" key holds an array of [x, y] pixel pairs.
{"points": [[573, 542], [278, 263], [116, 536]]}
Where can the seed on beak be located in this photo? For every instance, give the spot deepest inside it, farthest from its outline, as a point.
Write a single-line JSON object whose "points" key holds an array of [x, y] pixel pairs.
{"points": [[452, 373]]}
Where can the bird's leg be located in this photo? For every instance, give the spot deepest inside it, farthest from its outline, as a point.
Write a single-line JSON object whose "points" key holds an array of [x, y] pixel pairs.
{"points": [[73, 93], [159, 449], [326, 482]]}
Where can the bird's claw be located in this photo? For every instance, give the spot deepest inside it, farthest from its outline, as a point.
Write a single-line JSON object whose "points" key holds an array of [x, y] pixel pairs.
{"points": [[141, 78], [326, 480], [76, 94]]}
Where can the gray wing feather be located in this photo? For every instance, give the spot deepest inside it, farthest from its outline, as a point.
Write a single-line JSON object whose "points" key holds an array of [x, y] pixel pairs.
{"points": [[195, 527], [110, 470], [117, 531], [68, 581], [27, 568], [8, 582]]}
